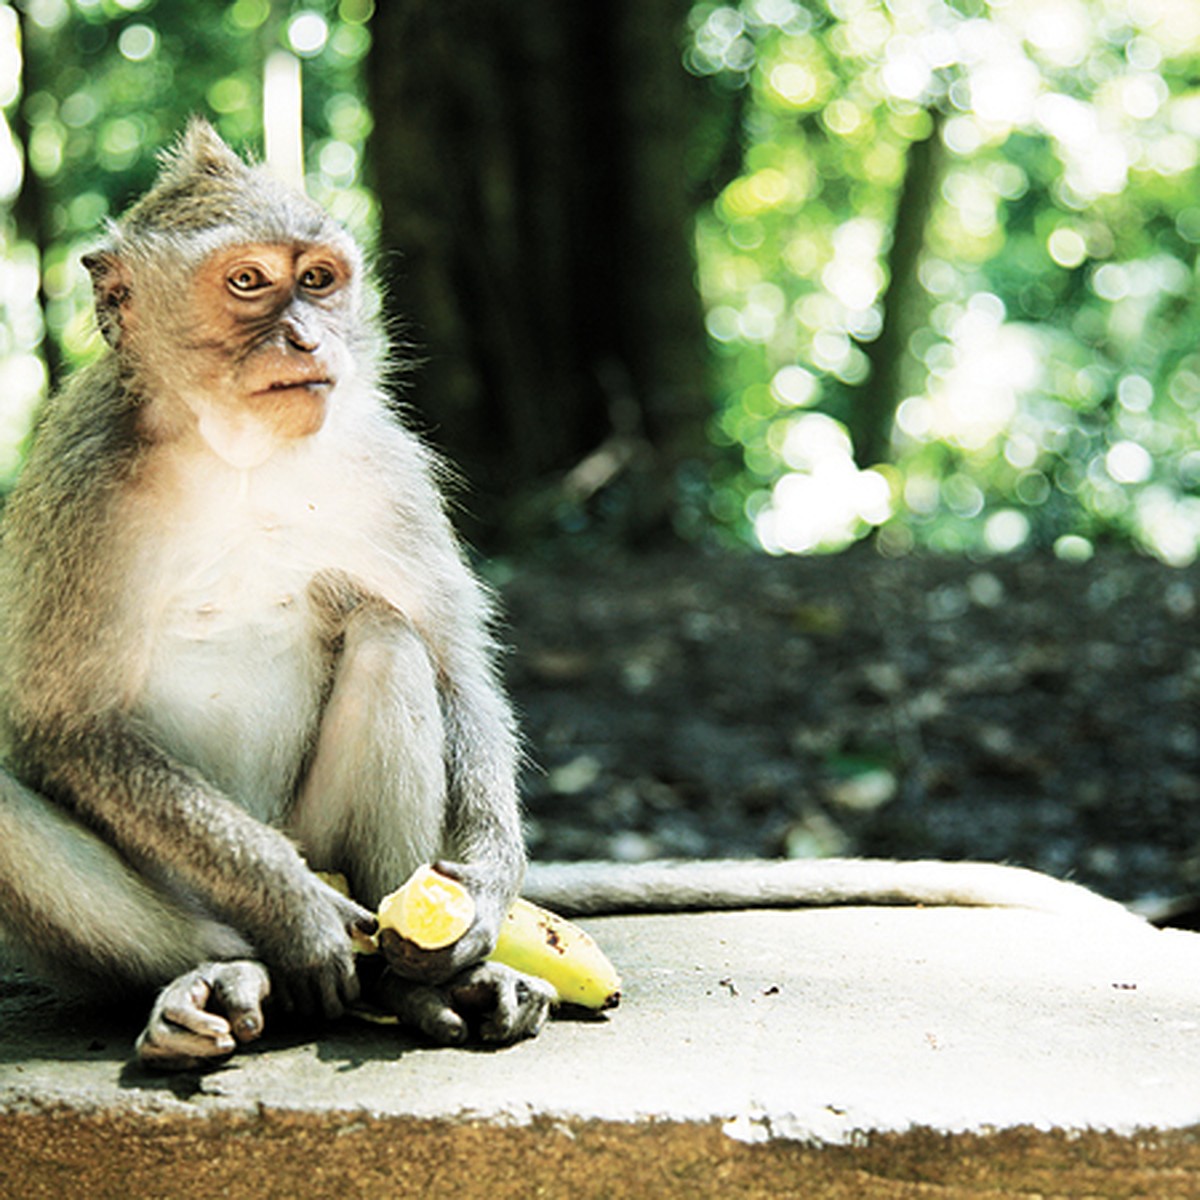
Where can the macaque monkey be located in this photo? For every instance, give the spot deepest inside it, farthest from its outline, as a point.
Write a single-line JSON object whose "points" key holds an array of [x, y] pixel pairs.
{"points": [[240, 646]]}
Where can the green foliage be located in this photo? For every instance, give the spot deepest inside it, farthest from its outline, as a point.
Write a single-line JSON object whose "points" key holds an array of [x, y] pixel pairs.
{"points": [[1051, 382], [1049, 377]]}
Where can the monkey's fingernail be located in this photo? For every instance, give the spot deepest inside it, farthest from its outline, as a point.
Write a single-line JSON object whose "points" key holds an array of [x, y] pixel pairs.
{"points": [[248, 1026]]}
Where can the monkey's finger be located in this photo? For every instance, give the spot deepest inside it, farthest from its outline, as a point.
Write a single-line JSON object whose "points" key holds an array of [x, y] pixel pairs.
{"points": [[202, 1024], [408, 960], [352, 914], [439, 1022], [324, 993], [339, 989], [506, 1004], [284, 1000], [351, 986], [238, 991], [523, 1004], [471, 877], [328, 998]]}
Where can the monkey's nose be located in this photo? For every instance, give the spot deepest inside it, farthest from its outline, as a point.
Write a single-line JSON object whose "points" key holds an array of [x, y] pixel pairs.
{"points": [[300, 339]]}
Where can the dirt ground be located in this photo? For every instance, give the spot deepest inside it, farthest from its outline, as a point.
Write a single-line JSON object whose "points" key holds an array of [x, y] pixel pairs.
{"points": [[1031, 711]]}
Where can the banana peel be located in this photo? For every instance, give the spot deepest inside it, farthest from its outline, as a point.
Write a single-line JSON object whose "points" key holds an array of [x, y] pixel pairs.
{"points": [[434, 911], [535, 941]]}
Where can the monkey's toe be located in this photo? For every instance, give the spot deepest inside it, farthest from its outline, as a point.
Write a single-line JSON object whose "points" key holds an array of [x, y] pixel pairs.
{"points": [[503, 1004], [200, 1018], [167, 1048]]}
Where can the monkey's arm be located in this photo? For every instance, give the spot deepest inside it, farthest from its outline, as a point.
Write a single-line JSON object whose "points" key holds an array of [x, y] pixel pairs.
{"points": [[483, 828], [76, 909], [176, 826]]}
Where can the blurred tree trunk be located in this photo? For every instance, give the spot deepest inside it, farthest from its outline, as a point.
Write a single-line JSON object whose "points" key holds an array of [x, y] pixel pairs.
{"points": [[873, 406], [530, 163]]}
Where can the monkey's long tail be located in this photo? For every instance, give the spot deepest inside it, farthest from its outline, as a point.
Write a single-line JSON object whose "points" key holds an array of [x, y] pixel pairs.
{"points": [[584, 888]]}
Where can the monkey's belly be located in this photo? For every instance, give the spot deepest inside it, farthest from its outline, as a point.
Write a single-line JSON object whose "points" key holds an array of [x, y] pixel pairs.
{"points": [[237, 696]]}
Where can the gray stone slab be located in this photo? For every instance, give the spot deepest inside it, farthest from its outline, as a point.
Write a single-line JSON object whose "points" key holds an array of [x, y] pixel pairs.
{"points": [[816, 1028]]}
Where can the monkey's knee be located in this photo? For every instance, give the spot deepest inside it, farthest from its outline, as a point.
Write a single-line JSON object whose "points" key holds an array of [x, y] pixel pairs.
{"points": [[384, 652]]}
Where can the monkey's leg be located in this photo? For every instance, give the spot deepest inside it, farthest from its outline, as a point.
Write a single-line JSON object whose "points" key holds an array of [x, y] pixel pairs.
{"points": [[372, 804], [375, 803], [75, 909]]}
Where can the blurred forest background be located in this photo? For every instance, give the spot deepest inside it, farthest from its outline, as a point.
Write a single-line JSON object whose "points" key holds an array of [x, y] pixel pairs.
{"points": [[774, 274], [785, 273]]}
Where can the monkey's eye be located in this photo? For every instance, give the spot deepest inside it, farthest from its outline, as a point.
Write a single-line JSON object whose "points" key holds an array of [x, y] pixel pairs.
{"points": [[244, 280], [317, 279]]}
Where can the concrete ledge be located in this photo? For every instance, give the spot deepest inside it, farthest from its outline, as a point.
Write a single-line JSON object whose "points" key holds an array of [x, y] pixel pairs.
{"points": [[834, 1052]]}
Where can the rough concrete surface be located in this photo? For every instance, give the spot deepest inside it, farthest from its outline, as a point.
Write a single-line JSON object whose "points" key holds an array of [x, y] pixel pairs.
{"points": [[834, 1052]]}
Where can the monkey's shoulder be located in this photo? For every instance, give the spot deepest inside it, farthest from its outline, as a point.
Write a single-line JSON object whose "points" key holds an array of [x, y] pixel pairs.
{"points": [[85, 442]]}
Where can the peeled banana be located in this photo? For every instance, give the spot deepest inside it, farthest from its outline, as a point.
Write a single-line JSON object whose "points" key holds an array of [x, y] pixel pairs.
{"points": [[429, 909], [434, 911]]}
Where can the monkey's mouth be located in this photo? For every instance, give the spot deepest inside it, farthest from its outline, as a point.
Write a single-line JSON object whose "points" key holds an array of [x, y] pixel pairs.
{"points": [[304, 382]]}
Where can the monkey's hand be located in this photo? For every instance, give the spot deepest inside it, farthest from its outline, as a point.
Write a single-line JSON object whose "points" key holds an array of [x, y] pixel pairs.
{"points": [[488, 1001], [491, 902], [204, 1015], [311, 954]]}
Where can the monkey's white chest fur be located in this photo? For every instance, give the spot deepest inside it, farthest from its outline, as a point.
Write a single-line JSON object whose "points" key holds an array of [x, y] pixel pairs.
{"points": [[234, 671]]}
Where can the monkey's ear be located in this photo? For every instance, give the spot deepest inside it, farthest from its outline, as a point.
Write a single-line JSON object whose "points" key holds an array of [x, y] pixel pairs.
{"points": [[112, 291], [201, 150]]}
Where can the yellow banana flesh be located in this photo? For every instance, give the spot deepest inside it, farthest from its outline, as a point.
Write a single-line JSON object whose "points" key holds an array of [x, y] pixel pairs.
{"points": [[434, 911], [429, 909]]}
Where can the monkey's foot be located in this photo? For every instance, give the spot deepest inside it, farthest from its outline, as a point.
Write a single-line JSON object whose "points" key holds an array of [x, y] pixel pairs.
{"points": [[204, 1015], [489, 1001]]}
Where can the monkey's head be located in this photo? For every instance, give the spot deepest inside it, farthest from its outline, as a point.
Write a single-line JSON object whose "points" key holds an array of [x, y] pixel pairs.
{"points": [[234, 302]]}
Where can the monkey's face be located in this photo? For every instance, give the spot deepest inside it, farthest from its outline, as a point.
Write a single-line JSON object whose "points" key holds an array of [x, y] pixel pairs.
{"points": [[265, 345]]}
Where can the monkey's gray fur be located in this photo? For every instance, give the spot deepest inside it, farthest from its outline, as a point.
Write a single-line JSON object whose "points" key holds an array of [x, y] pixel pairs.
{"points": [[240, 643]]}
